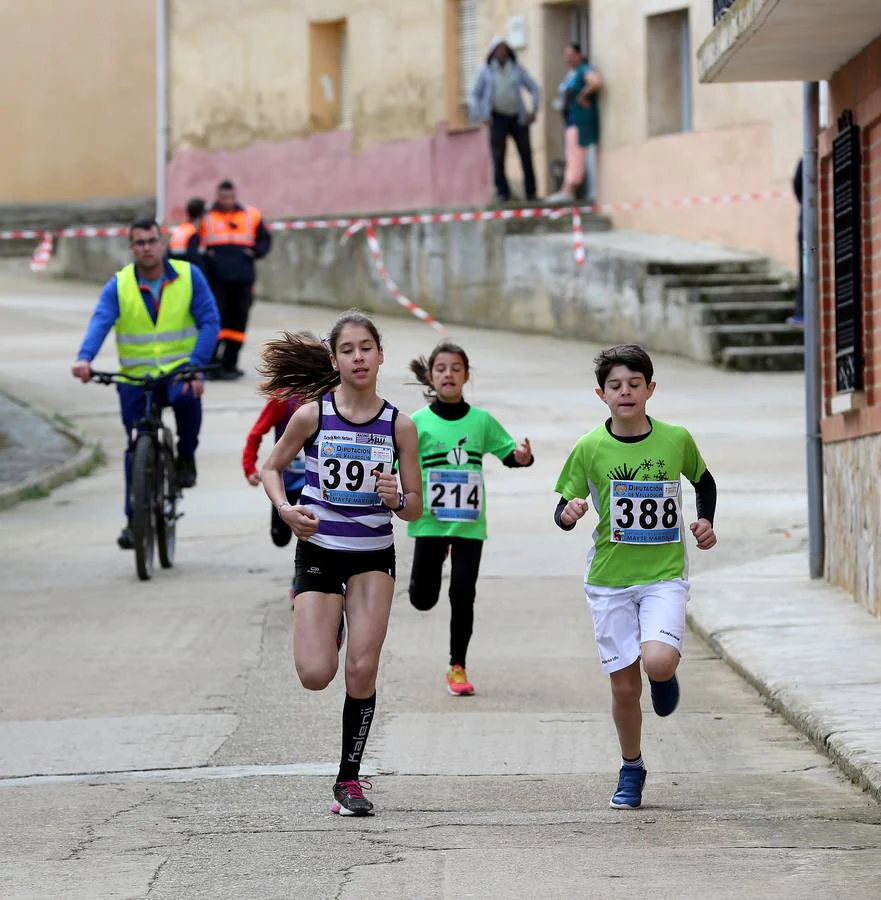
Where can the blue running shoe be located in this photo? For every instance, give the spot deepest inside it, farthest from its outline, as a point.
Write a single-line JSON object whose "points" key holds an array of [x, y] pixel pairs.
{"points": [[665, 695], [628, 794]]}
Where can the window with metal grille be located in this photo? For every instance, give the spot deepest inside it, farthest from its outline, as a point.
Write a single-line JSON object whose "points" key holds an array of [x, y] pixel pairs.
{"points": [[848, 255], [468, 49]]}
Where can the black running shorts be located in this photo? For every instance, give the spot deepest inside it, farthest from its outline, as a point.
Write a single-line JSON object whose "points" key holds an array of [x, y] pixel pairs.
{"points": [[328, 571]]}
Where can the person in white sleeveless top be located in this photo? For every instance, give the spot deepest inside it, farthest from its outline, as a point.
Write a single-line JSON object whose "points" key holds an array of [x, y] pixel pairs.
{"points": [[354, 443]]}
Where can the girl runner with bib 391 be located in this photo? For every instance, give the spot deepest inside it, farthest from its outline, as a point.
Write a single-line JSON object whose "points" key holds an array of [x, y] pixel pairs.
{"points": [[453, 438], [345, 547]]}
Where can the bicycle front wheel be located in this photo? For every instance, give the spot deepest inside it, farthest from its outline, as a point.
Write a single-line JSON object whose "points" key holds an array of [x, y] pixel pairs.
{"points": [[144, 504], [166, 505]]}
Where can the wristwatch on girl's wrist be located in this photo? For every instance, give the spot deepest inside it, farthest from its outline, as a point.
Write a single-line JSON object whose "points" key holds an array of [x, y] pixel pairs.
{"points": [[402, 502]]}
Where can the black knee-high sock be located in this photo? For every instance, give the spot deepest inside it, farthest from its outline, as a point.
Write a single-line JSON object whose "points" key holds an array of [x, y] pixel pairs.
{"points": [[357, 716]]}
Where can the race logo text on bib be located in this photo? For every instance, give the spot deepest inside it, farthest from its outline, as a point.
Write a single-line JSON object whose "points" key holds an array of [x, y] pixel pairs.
{"points": [[645, 512], [455, 495], [346, 472]]}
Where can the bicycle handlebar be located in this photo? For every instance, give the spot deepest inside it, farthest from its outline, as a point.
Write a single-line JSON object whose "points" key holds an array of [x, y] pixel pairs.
{"points": [[185, 373]]}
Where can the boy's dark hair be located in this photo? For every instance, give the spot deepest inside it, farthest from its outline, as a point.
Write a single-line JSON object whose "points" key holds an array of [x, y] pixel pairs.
{"points": [[226, 185], [195, 208], [144, 223], [576, 46], [630, 355]]}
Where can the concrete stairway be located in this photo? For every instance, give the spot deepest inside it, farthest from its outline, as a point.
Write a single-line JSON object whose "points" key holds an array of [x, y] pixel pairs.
{"points": [[743, 312]]}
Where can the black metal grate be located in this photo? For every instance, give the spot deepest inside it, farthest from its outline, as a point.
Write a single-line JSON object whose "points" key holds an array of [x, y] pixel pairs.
{"points": [[848, 244], [720, 7]]}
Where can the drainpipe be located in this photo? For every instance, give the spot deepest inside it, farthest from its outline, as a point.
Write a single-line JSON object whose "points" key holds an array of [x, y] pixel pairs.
{"points": [[813, 383], [161, 105]]}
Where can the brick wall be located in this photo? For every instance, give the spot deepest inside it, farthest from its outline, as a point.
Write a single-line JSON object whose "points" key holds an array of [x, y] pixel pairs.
{"points": [[856, 87], [852, 451]]}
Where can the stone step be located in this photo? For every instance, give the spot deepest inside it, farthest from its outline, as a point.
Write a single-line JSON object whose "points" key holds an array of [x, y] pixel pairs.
{"points": [[763, 359], [711, 294], [734, 312], [702, 269], [753, 335], [713, 279]]}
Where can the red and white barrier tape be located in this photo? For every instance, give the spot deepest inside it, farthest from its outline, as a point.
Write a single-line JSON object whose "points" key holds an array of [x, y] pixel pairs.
{"points": [[40, 259], [382, 271], [352, 226]]}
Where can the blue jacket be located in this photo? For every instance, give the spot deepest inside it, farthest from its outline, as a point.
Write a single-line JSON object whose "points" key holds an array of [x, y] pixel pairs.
{"points": [[480, 102], [203, 307]]}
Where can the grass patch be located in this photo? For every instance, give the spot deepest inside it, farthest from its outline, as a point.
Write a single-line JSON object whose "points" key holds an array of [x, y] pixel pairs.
{"points": [[62, 419], [35, 492]]}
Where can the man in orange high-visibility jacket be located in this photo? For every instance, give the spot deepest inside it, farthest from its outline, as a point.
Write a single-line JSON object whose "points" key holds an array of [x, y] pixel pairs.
{"points": [[232, 238], [186, 238]]}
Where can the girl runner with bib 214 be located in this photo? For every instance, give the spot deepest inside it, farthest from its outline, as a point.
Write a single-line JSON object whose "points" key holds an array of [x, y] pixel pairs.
{"points": [[453, 438], [353, 440], [637, 571]]}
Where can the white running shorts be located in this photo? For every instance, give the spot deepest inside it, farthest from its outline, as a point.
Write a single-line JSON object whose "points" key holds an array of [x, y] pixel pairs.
{"points": [[625, 617]]}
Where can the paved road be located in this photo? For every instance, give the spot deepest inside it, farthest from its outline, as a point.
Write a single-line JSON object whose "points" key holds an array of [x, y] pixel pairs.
{"points": [[154, 741]]}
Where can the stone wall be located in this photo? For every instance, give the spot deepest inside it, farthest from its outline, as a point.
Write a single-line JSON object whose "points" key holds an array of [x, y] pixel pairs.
{"points": [[516, 274], [853, 518]]}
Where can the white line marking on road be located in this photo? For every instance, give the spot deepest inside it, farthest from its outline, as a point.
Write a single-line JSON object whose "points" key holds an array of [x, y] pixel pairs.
{"points": [[196, 773]]}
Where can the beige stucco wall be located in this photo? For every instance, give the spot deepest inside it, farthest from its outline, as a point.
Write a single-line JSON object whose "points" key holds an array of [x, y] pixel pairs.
{"points": [[258, 87], [746, 137], [77, 92]]}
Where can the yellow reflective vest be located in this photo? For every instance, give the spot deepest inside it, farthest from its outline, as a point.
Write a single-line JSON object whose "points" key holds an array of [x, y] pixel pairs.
{"points": [[148, 347]]}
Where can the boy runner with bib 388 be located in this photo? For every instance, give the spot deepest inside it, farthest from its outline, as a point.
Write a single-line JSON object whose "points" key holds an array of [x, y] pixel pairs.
{"points": [[637, 571]]}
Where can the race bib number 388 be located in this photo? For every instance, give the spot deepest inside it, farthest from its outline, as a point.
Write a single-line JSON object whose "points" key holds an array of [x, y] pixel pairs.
{"points": [[346, 471], [645, 512]]}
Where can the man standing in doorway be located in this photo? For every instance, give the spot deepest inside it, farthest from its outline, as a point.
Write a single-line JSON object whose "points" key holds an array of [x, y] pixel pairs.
{"points": [[497, 100], [233, 237]]}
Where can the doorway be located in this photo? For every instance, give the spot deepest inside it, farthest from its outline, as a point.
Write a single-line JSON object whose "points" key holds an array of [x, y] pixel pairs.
{"points": [[561, 24]]}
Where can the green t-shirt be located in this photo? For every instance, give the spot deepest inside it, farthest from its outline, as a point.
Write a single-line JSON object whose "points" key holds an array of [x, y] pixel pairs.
{"points": [[646, 544], [451, 454]]}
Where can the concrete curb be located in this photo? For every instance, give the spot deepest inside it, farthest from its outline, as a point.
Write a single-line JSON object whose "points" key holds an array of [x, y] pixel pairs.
{"points": [[829, 737], [88, 455]]}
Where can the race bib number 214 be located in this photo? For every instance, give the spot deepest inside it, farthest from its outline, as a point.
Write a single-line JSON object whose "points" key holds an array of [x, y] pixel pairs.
{"points": [[645, 512]]}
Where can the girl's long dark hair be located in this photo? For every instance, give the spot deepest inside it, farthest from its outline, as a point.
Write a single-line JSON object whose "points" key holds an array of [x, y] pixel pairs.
{"points": [[298, 364], [421, 367]]}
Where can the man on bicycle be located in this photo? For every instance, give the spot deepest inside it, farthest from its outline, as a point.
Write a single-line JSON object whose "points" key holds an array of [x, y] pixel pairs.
{"points": [[165, 318]]}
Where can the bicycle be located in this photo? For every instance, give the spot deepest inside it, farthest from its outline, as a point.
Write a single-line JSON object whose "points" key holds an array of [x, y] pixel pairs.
{"points": [[153, 488]]}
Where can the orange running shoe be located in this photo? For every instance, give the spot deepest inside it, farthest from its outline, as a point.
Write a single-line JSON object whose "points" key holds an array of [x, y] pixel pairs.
{"points": [[457, 682]]}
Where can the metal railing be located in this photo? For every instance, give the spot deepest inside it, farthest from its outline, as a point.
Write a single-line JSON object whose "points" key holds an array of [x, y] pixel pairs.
{"points": [[720, 7]]}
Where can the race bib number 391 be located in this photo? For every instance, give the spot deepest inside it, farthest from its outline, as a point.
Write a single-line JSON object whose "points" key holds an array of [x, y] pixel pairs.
{"points": [[645, 512], [346, 471]]}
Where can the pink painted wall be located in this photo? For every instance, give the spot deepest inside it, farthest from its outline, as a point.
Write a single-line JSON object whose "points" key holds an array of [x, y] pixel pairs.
{"points": [[322, 175]]}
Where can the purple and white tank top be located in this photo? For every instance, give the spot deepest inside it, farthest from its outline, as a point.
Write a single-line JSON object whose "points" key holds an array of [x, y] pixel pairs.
{"points": [[341, 463]]}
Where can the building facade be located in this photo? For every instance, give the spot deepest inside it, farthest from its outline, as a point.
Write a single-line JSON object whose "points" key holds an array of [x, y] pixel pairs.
{"points": [[78, 94], [788, 39], [335, 106]]}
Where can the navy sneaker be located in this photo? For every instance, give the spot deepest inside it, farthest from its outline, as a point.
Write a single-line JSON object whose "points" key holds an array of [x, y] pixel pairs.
{"points": [[349, 799], [665, 695], [628, 794]]}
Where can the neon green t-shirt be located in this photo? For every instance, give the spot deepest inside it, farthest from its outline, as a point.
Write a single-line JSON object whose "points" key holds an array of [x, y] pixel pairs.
{"points": [[635, 488], [451, 454]]}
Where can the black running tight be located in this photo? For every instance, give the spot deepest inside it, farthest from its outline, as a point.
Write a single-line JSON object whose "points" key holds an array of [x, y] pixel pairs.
{"points": [[425, 583]]}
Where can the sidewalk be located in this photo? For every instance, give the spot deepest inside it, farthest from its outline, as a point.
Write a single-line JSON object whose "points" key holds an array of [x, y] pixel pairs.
{"points": [[38, 453], [806, 647]]}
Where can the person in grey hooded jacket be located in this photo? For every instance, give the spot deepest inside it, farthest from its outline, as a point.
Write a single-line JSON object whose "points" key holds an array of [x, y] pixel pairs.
{"points": [[497, 100]]}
